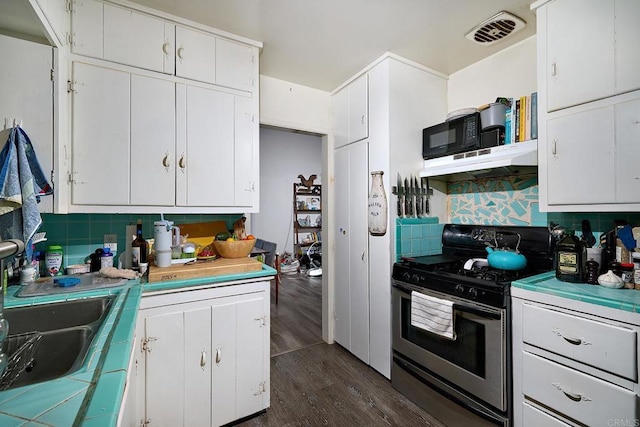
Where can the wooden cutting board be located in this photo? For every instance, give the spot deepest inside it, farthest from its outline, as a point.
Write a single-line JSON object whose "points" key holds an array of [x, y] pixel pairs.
{"points": [[218, 267]]}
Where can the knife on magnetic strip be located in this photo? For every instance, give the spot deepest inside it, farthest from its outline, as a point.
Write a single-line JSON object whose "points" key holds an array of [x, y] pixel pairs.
{"points": [[407, 199], [399, 193], [418, 191]]}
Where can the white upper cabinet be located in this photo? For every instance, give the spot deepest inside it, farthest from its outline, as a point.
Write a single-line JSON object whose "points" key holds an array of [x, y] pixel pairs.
{"points": [[235, 65], [627, 59], [163, 110], [87, 25], [195, 55], [591, 50], [205, 147], [351, 112], [100, 136], [359, 109], [583, 39], [153, 118], [139, 40], [588, 80]]}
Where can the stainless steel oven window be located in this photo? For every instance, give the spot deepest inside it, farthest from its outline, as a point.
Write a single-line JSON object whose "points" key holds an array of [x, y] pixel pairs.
{"points": [[475, 362]]}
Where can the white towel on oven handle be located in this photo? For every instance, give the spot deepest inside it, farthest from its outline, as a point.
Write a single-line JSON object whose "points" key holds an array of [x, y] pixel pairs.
{"points": [[432, 314]]}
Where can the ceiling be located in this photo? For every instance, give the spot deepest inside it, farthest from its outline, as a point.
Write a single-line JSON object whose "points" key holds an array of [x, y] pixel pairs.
{"points": [[322, 43]]}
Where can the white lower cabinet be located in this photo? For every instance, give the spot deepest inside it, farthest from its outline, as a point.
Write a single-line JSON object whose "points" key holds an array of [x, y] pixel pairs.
{"points": [[574, 363], [203, 355]]}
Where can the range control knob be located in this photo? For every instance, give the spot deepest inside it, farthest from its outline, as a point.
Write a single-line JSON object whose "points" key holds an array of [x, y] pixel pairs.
{"points": [[415, 279], [473, 293], [459, 289], [406, 276]]}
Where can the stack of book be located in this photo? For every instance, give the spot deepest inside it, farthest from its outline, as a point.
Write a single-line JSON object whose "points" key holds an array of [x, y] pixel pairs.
{"points": [[521, 121]]}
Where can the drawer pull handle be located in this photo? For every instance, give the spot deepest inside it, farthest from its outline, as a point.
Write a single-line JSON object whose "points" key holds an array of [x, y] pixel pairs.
{"points": [[218, 355], [571, 340], [576, 397]]}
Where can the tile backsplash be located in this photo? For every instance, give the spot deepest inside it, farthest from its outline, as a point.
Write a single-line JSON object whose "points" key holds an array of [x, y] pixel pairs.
{"points": [[506, 201], [82, 234]]}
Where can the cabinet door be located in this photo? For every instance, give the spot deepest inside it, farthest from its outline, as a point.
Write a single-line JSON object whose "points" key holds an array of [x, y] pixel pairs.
{"points": [[25, 61], [205, 147], [197, 367], [252, 348], [165, 374], [627, 42], [580, 158], [195, 55], [87, 19], [101, 129], [627, 149], [352, 258], [224, 351], [359, 109], [246, 161], [234, 65], [340, 104], [153, 157], [580, 52], [136, 39]]}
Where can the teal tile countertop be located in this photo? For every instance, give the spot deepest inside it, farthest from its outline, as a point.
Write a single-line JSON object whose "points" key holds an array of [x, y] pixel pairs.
{"points": [[92, 395], [621, 299]]}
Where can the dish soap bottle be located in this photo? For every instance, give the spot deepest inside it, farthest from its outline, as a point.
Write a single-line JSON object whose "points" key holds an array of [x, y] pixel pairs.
{"points": [[571, 259]]}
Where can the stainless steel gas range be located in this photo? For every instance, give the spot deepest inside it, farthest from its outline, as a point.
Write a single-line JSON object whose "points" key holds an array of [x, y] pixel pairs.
{"points": [[465, 379]]}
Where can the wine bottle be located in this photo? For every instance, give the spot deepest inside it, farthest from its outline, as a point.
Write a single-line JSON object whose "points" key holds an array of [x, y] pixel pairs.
{"points": [[139, 248]]}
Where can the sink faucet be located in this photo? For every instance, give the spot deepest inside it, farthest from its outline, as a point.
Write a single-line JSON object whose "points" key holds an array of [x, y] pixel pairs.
{"points": [[7, 249]]}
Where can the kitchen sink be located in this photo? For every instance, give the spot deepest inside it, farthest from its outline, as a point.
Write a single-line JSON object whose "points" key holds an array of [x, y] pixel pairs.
{"points": [[67, 330]]}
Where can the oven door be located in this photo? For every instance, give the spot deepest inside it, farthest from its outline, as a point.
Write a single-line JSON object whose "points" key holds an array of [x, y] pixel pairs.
{"points": [[475, 361]]}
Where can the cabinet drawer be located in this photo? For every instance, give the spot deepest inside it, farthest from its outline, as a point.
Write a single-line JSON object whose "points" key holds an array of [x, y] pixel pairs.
{"points": [[607, 347], [532, 417], [574, 394]]}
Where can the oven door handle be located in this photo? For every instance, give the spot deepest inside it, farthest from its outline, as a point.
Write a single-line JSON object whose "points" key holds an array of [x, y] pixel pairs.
{"points": [[456, 306]]}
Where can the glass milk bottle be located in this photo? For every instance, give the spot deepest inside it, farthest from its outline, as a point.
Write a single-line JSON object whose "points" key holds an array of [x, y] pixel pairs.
{"points": [[377, 206]]}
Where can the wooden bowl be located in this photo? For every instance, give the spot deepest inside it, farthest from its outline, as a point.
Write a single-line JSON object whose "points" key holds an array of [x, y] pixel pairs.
{"points": [[234, 249]]}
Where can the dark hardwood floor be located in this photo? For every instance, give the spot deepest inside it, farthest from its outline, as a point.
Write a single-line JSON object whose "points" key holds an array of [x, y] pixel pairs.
{"points": [[314, 383]]}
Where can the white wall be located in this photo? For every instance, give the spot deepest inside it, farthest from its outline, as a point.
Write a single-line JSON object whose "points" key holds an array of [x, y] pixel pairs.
{"points": [[292, 106], [509, 73], [283, 156]]}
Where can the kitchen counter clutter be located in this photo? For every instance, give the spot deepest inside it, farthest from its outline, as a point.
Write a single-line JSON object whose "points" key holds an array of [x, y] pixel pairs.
{"points": [[575, 353], [104, 390]]}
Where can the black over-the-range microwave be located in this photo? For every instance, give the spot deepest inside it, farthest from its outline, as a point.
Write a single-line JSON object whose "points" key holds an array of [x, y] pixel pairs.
{"points": [[454, 136]]}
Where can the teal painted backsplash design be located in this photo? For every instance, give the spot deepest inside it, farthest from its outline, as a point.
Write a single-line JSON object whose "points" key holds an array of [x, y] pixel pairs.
{"points": [[82, 234]]}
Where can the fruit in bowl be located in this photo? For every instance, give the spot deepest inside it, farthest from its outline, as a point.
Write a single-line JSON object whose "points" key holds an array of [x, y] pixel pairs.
{"points": [[234, 248]]}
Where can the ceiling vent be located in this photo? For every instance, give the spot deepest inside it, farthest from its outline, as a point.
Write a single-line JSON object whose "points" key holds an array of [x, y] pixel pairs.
{"points": [[495, 28]]}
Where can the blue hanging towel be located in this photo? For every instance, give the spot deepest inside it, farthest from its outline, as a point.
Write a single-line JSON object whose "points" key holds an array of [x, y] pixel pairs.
{"points": [[22, 182]]}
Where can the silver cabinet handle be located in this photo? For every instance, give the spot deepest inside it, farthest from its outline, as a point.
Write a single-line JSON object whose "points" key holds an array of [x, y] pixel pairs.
{"points": [[570, 339], [203, 359], [180, 52], [554, 150], [181, 162], [362, 119], [576, 397], [218, 355], [165, 161], [553, 69], [362, 257]]}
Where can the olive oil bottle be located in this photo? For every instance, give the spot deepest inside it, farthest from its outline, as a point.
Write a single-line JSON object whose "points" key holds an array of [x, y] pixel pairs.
{"points": [[571, 259]]}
